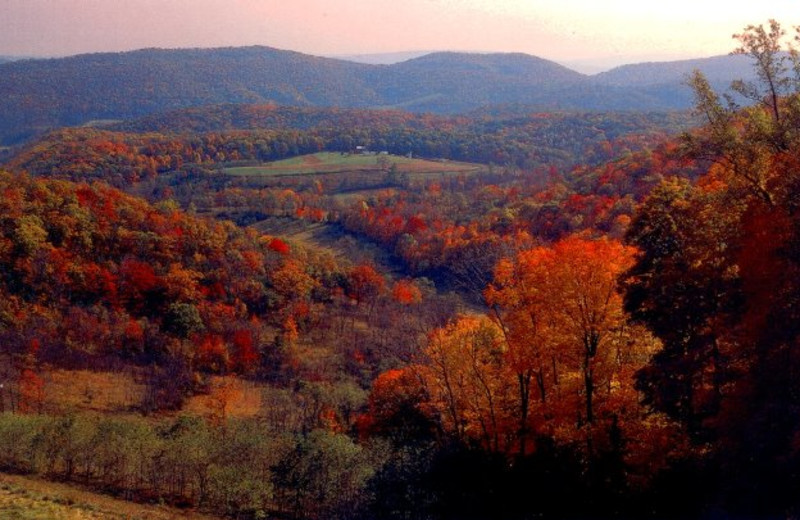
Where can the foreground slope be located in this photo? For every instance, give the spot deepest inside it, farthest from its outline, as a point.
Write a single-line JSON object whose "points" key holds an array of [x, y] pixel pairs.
{"points": [[25, 498]]}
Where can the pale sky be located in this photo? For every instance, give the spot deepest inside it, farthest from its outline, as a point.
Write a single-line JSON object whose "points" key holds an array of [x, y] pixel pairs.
{"points": [[568, 31]]}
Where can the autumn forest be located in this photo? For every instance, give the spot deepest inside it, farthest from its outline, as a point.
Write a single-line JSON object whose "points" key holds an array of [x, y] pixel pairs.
{"points": [[301, 308]]}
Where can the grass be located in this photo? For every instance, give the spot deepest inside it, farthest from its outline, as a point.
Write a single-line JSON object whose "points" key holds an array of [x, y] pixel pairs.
{"points": [[24, 498], [105, 392], [331, 163], [119, 393], [344, 247]]}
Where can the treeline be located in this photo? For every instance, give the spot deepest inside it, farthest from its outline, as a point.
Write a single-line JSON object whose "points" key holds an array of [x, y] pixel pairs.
{"points": [[550, 126], [240, 469], [398, 466]]}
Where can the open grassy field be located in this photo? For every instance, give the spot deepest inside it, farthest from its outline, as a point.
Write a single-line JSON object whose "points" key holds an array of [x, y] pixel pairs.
{"points": [[331, 163], [118, 393], [103, 392], [23, 498], [66, 391]]}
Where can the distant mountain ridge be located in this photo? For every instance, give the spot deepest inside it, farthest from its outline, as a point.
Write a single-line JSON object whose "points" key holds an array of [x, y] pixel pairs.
{"points": [[717, 69], [450, 82], [36, 95], [6, 58]]}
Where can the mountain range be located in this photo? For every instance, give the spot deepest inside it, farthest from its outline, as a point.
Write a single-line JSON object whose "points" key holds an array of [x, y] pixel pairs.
{"points": [[36, 95]]}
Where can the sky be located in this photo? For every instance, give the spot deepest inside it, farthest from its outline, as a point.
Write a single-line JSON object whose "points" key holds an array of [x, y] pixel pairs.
{"points": [[587, 34]]}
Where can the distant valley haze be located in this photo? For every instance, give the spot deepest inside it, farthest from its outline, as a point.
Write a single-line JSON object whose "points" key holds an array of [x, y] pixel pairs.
{"points": [[584, 66]]}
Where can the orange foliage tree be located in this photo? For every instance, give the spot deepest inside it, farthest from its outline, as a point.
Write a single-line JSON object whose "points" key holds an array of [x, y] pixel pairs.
{"points": [[557, 326], [465, 380]]}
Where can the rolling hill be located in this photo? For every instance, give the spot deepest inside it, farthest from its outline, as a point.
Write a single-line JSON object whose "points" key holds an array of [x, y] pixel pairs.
{"points": [[455, 82], [37, 95], [70, 91], [718, 69], [665, 81]]}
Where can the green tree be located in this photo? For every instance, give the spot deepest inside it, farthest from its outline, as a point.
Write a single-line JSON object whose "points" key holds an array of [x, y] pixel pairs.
{"points": [[324, 476], [183, 319]]}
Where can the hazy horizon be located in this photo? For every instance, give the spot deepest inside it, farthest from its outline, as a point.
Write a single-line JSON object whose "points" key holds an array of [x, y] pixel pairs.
{"points": [[584, 35], [588, 66]]}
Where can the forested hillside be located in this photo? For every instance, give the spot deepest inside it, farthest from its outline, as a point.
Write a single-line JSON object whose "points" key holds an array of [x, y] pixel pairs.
{"points": [[241, 133], [256, 311], [719, 70], [90, 273], [37, 95], [121, 86]]}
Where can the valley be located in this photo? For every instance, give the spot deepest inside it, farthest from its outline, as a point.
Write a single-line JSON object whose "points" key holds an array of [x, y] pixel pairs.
{"points": [[234, 283]]}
